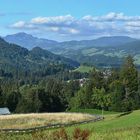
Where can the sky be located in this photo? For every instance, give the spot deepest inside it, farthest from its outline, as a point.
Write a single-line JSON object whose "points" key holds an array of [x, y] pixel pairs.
{"points": [[63, 20]]}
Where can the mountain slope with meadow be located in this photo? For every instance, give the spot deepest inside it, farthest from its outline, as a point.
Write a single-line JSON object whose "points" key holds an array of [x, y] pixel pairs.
{"points": [[101, 52]]}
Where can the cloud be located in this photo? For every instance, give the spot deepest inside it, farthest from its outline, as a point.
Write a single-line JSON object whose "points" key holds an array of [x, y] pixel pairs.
{"points": [[133, 24], [23, 25], [68, 19], [112, 17], [19, 24], [85, 27]]}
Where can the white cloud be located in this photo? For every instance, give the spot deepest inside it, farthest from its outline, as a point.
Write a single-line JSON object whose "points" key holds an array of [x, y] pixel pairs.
{"points": [[87, 26], [112, 17], [19, 24], [73, 31], [68, 19], [133, 24], [23, 25]]}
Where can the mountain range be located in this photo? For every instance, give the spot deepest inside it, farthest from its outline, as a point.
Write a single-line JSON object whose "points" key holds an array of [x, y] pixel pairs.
{"points": [[103, 52], [28, 41]]}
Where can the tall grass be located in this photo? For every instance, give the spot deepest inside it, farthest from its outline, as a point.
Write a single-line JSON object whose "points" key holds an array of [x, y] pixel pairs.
{"points": [[61, 134], [33, 120], [77, 134]]}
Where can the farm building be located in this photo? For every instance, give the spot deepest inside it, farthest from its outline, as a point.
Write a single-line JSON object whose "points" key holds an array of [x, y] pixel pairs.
{"points": [[4, 111]]}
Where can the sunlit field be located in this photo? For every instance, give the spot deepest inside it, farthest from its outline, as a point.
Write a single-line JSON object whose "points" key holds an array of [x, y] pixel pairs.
{"points": [[32, 120]]}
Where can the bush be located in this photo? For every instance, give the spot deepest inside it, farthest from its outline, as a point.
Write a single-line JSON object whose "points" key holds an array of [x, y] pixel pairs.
{"points": [[81, 134], [60, 135], [78, 134]]}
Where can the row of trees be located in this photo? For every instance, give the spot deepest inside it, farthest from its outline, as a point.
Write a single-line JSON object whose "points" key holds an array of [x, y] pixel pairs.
{"points": [[115, 90], [54, 96]]}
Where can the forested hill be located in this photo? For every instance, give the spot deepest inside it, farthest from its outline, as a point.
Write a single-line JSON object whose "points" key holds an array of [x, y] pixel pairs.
{"points": [[41, 56], [13, 56]]}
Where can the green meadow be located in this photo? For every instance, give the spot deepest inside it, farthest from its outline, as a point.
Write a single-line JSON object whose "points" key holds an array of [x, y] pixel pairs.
{"points": [[83, 69], [115, 126]]}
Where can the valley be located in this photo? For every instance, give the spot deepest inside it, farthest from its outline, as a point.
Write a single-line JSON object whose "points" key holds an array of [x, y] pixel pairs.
{"points": [[70, 70], [36, 82], [102, 52]]}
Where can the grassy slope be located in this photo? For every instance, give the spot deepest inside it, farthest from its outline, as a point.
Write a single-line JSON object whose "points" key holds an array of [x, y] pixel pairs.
{"points": [[123, 126], [92, 111], [126, 127], [84, 69], [114, 122]]}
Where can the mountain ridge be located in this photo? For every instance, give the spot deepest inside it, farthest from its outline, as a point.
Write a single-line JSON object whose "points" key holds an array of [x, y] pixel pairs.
{"points": [[12, 55], [28, 41], [104, 51]]}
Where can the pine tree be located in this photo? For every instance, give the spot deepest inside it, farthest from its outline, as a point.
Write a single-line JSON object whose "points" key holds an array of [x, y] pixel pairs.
{"points": [[129, 77]]}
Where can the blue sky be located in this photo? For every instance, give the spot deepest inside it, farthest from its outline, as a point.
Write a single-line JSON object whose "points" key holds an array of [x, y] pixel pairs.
{"points": [[70, 19]]}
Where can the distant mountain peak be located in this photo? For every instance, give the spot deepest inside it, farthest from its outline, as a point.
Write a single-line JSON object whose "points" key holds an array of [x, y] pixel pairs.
{"points": [[29, 41], [20, 36]]}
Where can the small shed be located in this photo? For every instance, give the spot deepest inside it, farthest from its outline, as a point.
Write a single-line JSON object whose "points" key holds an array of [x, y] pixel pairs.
{"points": [[4, 111]]}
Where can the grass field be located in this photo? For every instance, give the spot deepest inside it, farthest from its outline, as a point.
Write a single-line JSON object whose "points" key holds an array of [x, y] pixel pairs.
{"points": [[84, 69], [113, 127], [32, 120], [92, 111]]}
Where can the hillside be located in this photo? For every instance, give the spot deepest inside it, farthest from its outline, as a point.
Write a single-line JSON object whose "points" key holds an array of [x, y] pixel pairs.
{"points": [[106, 56], [101, 52], [13, 56], [122, 127]]}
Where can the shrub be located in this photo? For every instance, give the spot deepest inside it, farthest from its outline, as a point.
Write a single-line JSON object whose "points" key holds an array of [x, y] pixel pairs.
{"points": [[60, 135], [79, 134]]}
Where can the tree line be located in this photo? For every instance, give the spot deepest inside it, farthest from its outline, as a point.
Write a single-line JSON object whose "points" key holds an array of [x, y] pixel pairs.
{"points": [[113, 89]]}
